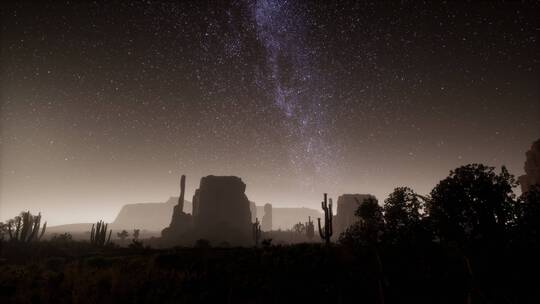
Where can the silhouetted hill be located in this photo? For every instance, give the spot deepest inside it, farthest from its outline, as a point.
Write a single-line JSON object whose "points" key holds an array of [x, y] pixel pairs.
{"points": [[148, 216], [71, 228], [144, 216]]}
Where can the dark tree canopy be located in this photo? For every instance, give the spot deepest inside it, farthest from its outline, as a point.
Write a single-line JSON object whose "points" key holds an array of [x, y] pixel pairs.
{"points": [[403, 215], [369, 227], [528, 215], [472, 203]]}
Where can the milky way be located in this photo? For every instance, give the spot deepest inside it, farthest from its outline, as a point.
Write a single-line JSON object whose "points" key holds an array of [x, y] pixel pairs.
{"points": [[104, 104], [293, 85]]}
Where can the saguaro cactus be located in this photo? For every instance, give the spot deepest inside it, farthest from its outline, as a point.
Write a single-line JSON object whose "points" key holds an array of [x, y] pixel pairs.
{"points": [[310, 228], [326, 231], [256, 232], [98, 234]]}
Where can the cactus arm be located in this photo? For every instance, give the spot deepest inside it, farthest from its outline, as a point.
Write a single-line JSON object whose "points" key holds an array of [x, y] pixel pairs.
{"points": [[105, 232], [10, 230], [320, 229], [43, 230], [34, 227], [17, 228], [25, 223], [28, 225], [330, 217], [92, 238], [98, 232], [109, 238]]}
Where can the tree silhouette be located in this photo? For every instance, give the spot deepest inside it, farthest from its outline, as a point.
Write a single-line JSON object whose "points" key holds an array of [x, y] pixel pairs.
{"points": [[136, 233], [472, 203], [299, 228], [404, 218], [369, 227], [122, 235], [528, 215], [372, 221]]}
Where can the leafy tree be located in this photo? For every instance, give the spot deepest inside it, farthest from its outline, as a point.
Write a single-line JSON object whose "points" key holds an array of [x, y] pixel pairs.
{"points": [[372, 221], [122, 235], [369, 227], [3, 230], [473, 202], [299, 228], [404, 217], [136, 233]]}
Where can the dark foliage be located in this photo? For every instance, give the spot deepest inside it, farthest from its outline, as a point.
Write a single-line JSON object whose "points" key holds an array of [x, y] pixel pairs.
{"points": [[527, 225], [405, 218], [202, 243], [369, 227], [473, 203]]}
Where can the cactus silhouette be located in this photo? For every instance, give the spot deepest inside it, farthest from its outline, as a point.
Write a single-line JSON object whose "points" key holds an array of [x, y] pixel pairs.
{"points": [[98, 234], [326, 231], [310, 229], [256, 232], [26, 228]]}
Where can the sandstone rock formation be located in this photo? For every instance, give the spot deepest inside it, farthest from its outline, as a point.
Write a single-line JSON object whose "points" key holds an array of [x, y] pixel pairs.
{"points": [[532, 167], [221, 210], [346, 207], [267, 218], [181, 222]]}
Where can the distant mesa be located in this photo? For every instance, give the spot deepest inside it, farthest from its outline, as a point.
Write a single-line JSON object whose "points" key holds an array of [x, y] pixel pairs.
{"points": [[284, 218], [532, 168], [267, 218], [347, 204], [148, 216]]}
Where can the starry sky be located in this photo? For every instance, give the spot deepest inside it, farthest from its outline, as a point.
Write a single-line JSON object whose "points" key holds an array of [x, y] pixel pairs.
{"points": [[104, 104]]}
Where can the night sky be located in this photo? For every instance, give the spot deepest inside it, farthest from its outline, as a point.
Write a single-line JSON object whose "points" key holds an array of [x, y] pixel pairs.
{"points": [[104, 104]]}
